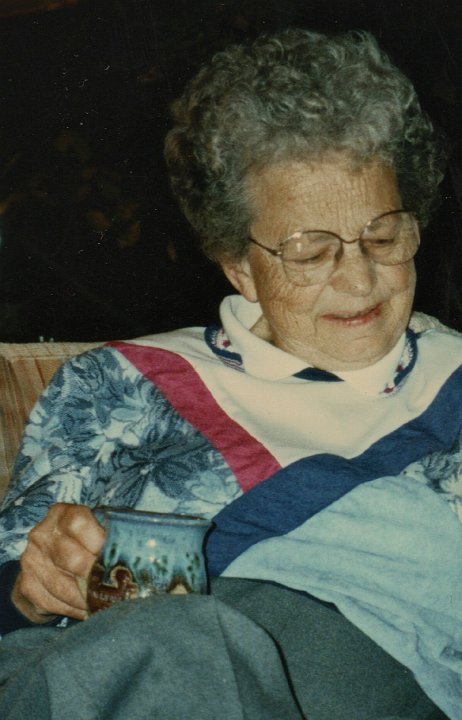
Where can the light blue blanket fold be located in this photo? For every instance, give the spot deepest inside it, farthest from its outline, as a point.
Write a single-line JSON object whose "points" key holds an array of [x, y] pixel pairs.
{"points": [[389, 555]]}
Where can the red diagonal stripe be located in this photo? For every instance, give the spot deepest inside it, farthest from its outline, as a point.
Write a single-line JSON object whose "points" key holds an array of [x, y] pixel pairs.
{"points": [[180, 384]]}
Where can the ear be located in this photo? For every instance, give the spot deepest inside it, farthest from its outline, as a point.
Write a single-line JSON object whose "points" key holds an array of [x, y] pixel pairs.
{"points": [[240, 275]]}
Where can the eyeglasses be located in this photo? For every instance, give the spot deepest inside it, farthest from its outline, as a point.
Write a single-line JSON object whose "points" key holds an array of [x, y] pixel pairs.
{"points": [[309, 257]]}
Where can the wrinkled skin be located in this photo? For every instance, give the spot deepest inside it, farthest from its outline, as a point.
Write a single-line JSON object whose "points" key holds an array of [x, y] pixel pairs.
{"points": [[58, 558], [356, 316]]}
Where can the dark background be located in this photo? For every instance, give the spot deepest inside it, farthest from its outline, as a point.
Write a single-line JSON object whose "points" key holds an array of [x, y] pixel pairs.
{"points": [[92, 244]]}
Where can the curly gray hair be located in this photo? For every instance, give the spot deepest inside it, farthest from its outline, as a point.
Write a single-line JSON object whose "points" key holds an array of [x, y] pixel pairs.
{"points": [[293, 95]]}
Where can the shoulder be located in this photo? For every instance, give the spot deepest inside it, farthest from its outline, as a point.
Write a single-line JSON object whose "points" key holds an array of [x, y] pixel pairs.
{"points": [[87, 373], [439, 359], [421, 322], [433, 336], [124, 368], [115, 359], [187, 342], [440, 343]]}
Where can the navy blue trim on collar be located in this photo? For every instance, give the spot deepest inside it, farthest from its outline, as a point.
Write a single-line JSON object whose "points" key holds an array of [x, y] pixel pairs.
{"points": [[411, 349], [211, 337], [407, 361], [312, 373]]}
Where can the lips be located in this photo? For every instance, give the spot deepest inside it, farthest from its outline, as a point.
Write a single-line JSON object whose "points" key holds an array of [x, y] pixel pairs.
{"points": [[352, 319]]}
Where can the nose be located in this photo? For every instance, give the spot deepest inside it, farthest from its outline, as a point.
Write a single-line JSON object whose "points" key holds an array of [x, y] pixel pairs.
{"points": [[355, 273]]}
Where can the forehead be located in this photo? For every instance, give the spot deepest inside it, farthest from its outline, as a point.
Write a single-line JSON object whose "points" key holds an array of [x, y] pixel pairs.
{"points": [[330, 194]]}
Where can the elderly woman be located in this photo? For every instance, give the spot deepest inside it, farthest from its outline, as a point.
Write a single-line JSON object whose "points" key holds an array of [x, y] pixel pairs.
{"points": [[315, 427]]}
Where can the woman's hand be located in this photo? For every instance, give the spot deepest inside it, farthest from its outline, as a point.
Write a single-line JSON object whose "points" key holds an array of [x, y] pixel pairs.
{"points": [[56, 563]]}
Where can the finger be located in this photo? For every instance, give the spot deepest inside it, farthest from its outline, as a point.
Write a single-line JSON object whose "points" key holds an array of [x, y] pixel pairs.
{"points": [[39, 605], [82, 584], [58, 549], [67, 555], [71, 536], [78, 522], [42, 581]]}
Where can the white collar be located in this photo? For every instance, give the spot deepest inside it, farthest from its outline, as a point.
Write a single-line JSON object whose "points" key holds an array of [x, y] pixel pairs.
{"points": [[263, 360], [374, 379], [259, 357]]}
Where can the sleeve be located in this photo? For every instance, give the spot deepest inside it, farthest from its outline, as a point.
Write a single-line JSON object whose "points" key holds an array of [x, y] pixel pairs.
{"points": [[71, 443]]}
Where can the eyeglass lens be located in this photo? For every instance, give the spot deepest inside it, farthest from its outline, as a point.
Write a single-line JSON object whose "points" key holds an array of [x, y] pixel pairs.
{"points": [[310, 256]]}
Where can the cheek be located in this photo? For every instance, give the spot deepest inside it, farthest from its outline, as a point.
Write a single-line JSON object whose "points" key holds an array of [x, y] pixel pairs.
{"points": [[401, 281], [280, 299], [269, 279]]}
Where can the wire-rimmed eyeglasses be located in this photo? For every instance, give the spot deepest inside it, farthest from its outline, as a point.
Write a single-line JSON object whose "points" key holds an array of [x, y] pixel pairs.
{"points": [[309, 257]]}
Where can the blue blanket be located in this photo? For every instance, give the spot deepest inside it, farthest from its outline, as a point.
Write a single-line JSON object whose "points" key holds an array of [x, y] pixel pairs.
{"points": [[387, 553]]}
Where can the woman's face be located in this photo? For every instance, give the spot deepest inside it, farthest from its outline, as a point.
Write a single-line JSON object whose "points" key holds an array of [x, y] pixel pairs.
{"points": [[352, 319]]}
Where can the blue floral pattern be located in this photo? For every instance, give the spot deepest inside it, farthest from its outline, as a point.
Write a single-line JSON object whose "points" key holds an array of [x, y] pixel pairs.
{"points": [[104, 434]]}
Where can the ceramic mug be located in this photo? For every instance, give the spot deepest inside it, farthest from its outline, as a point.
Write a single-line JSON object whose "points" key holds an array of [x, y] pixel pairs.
{"points": [[147, 553]]}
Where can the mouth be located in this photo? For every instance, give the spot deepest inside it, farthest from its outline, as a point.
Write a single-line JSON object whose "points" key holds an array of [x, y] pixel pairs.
{"points": [[361, 317]]}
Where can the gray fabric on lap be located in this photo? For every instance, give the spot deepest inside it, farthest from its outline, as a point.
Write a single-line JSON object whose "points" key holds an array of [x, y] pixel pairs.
{"points": [[193, 657], [337, 672], [207, 657]]}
